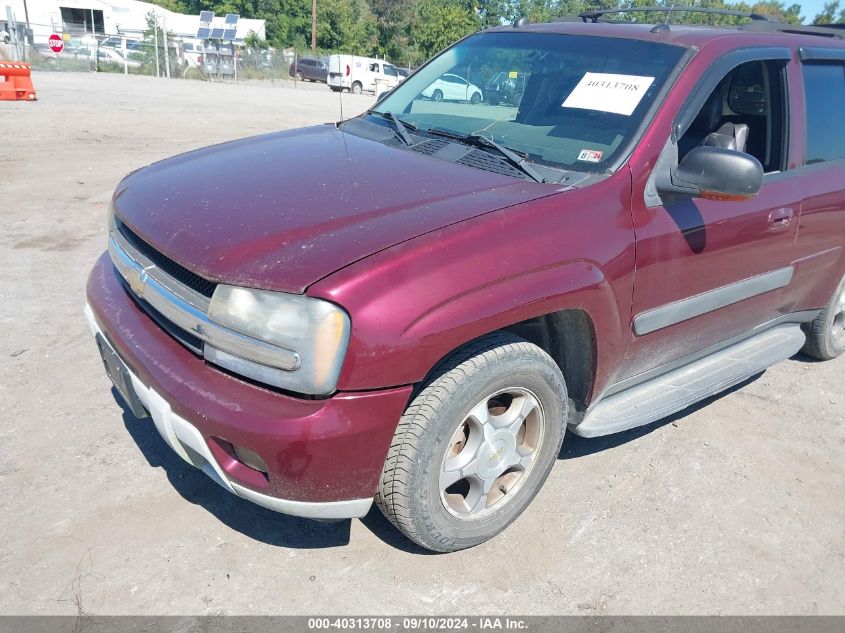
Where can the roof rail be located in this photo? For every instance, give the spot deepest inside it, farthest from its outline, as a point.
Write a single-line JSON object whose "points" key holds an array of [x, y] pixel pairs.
{"points": [[593, 15], [834, 31]]}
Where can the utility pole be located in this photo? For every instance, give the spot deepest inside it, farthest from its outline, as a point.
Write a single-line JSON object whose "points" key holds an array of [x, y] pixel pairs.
{"points": [[314, 26], [28, 37], [155, 32], [166, 50]]}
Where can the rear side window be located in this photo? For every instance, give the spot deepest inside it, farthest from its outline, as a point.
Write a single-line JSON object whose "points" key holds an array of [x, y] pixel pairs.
{"points": [[824, 94]]}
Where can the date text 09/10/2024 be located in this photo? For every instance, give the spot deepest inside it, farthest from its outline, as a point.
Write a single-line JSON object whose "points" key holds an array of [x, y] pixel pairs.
{"points": [[417, 623]]}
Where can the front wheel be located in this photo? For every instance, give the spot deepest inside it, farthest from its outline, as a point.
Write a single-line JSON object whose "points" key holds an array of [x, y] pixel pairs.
{"points": [[475, 98], [826, 335], [299, 75], [437, 95], [475, 445]]}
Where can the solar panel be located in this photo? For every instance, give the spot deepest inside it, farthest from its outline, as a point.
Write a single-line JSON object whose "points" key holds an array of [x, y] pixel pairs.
{"points": [[216, 34], [230, 34], [203, 33], [206, 17], [232, 18]]}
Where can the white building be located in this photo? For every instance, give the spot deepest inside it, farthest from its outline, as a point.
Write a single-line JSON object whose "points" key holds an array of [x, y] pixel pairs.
{"points": [[111, 17]]}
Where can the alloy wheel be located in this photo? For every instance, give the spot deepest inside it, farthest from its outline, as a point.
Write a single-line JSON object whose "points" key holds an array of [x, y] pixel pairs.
{"points": [[839, 320], [491, 453]]}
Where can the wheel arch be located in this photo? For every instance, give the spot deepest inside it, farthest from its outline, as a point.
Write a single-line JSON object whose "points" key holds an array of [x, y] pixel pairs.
{"points": [[560, 309], [568, 336]]}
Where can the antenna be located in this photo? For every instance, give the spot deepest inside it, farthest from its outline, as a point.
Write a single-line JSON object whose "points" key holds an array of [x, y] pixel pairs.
{"points": [[671, 8]]}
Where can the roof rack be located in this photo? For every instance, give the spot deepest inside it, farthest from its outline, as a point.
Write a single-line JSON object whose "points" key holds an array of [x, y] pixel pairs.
{"points": [[760, 22], [593, 15]]}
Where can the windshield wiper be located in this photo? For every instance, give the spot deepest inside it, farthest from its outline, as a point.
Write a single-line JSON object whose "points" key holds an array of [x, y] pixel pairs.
{"points": [[511, 156], [400, 127]]}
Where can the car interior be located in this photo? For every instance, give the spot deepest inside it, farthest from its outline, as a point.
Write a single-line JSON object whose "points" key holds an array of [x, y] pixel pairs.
{"points": [[745, 112]]}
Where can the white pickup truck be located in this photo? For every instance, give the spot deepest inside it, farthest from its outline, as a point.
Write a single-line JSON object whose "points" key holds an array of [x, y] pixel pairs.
{"points": [[360, 74]]}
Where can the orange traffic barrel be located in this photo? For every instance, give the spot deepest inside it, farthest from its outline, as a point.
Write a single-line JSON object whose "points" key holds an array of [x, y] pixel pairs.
{"points": [[17, 82]]}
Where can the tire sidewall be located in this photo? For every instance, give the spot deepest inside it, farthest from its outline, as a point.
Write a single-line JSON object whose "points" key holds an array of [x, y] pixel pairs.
{"points": [[447, 532], [437, 95], [831, 347]]}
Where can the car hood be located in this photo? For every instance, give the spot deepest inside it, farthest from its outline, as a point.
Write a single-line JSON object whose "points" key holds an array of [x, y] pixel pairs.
{"points": [[281, 211]]}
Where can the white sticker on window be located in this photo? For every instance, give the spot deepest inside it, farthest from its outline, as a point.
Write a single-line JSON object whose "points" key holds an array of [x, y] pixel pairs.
{"points": [[590, 155], [619, 94]]}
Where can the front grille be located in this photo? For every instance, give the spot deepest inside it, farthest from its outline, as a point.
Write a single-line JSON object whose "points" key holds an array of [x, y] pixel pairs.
{"points": [[187, 339], [167, 265]]}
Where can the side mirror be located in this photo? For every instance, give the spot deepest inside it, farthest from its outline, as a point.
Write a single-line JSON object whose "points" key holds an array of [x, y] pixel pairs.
{"points": [[714, 173]]}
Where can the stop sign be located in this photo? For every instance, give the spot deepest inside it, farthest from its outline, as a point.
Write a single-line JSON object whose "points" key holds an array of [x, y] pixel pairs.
{"points": [[56, 43]]}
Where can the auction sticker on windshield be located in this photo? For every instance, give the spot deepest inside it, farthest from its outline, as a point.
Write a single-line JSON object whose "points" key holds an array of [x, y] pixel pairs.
{"points": [[590, 155], [618, 94]]}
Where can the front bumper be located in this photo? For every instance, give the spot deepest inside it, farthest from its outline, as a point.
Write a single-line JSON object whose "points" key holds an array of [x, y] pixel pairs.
{"points": [[323, 457]]}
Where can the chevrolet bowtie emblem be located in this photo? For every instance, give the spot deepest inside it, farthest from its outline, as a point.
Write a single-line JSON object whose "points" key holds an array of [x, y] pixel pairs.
{"points": [[137, 280]]}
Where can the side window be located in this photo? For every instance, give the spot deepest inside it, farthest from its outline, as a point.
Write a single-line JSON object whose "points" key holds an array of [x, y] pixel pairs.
{"points": [[824, 95], [374, 68], [746, 112]]}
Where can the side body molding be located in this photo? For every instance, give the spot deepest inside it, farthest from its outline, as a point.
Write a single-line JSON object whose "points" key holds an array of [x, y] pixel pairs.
{"points": [[691, 307]]}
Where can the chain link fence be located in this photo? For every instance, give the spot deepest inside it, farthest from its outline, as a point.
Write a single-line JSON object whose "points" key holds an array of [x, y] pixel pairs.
{"points": [[158, 53], [155, 53]]}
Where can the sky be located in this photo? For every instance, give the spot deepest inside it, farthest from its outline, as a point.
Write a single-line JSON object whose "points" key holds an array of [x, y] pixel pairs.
{"points": [[809, 9]]}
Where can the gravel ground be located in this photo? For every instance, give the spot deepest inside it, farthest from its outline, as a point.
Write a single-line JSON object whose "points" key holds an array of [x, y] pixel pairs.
{"points": [[734, 507]]}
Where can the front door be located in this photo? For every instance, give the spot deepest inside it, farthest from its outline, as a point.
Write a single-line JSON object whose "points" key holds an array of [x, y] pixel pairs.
{"points": [[709, 271]]}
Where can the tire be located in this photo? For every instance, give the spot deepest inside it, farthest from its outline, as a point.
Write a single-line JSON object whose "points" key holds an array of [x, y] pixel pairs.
{"points": [[356, 88], [494, 377], [299, 75], [437, 95], [475, 98], [826, 335]]}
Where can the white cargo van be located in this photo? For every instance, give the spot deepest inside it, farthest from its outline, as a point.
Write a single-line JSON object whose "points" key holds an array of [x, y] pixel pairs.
{"points": [[359, 74]]}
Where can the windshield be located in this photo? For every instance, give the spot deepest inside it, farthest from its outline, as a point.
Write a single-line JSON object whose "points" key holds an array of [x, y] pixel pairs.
{"points": [[567, 101]]}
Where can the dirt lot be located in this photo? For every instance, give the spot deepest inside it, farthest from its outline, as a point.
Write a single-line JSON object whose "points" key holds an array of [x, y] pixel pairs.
{"points": [[733, 507]]}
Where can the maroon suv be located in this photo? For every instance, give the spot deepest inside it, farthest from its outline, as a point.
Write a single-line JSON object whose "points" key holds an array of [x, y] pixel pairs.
{"points": [[414, 305]]}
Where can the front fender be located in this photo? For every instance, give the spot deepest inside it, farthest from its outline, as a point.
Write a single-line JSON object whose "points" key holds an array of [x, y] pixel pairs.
{"points": [[413, 304]]}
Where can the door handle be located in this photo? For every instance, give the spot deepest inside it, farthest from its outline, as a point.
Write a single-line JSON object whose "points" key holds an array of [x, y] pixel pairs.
{"points": [[781, 218]]}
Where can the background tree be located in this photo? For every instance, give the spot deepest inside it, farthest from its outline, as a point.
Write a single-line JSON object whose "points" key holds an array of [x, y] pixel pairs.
{"points": [[831, 14], [440, 23], [410, 31]]}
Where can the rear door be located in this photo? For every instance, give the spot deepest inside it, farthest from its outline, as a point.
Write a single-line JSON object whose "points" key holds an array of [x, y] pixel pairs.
{"points": [[709, 271], [821, 236]]}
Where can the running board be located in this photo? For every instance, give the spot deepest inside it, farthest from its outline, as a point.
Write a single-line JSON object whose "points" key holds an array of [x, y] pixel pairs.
{"points": [[678, 389]]}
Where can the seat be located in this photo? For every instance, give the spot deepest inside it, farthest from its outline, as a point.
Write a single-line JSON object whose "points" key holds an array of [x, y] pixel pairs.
{"points": [[706, 130], [729, 136], [542, 98]]}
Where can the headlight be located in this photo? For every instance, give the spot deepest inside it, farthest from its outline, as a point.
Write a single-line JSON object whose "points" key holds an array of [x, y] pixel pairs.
{"points": [[290, 341]]}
